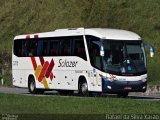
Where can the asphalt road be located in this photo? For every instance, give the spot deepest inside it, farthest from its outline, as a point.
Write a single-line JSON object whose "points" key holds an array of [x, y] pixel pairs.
{"points": [[24, 91]]}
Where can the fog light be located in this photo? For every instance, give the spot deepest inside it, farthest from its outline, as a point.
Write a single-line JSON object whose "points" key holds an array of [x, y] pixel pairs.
{"points": [[109, 87], [143, 87]]}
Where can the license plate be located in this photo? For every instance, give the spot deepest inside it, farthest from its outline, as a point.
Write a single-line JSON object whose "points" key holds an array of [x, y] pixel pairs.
{"points": [[128, 88]]}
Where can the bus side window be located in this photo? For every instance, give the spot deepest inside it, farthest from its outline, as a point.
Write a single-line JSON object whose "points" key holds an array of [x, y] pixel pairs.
{"points": [[45, 47], [18, 48], [32, 48], [25, 48], [95, 56], [53, 51], [79, 49], [66, 47], [39, 48], [94, 51]]}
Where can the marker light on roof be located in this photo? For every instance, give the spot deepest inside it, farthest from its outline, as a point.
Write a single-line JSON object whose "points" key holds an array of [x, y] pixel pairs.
{"points": [[27, 36], [35, 36]]}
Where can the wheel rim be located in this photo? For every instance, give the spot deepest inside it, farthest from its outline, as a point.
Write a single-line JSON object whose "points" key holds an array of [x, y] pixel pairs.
{"points": [[32, 86], [84, 88]]}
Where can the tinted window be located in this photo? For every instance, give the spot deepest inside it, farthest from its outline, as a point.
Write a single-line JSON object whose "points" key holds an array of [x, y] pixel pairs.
{"points": [[32, 48], [94, 51], [79, 48], [66, 47], [18, 48], [60, 46], [53, 51], [45, 48], [95, 56]]}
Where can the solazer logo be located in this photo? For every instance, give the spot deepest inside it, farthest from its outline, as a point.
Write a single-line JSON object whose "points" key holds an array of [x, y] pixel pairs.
{"points": [[66, 63]]}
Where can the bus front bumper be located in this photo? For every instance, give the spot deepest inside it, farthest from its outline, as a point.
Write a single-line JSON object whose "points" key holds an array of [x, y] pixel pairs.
{"points": [[123, 86]]}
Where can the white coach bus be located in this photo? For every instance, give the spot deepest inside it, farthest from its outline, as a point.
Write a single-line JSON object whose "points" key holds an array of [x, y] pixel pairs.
{"points": [[84, 60]]}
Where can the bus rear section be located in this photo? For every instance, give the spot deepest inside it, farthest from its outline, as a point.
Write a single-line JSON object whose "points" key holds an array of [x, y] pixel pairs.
{"points": [[51, 63]]}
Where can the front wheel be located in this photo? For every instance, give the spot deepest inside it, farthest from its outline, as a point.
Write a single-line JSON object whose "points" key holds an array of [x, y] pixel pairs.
{"points": [[83, 88]]}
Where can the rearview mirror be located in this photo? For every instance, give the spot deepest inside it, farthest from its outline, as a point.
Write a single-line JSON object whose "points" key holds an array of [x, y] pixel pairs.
{"points": [[151, 48], [151, 52], [101, 50]]}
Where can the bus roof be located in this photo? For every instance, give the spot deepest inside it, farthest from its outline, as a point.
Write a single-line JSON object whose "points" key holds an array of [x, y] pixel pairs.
{"points": [[114, 34], [104, 33]]}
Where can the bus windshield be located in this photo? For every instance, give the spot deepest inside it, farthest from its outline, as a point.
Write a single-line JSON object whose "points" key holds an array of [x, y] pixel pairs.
{"points": [[124, 57]]}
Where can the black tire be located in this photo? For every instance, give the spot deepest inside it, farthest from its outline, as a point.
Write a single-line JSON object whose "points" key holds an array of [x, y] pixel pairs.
{"points": [[32, 87], [83, 88], [123, 95]]}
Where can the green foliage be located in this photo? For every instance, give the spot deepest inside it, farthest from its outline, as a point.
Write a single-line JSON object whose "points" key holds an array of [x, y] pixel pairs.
{"points": [[7, 80], [32, 16]]}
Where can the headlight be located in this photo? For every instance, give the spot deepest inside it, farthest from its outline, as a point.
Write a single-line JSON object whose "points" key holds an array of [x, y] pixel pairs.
{"points": [[144, 79]]}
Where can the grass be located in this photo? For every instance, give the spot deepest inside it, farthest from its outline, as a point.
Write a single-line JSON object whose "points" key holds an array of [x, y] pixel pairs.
{"points": [[61, 107], [15, 104], [32, 16]]}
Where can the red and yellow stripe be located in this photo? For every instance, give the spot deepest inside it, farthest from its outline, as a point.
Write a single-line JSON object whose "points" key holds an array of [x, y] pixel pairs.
{"points": [[43, 71]]}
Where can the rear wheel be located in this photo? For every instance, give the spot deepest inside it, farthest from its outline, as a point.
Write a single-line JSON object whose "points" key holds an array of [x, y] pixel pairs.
{"points": [[32, 87]]}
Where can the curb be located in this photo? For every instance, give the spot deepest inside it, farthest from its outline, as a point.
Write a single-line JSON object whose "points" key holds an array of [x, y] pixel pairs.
{"points": [[151, 91]]}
